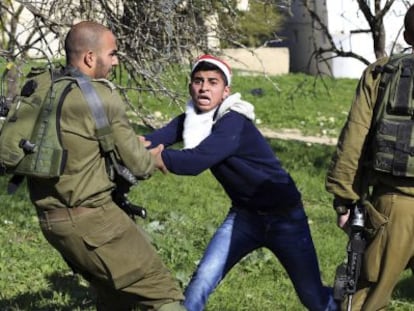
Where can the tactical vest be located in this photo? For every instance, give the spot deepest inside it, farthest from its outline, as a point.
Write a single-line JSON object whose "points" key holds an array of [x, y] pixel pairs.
{"points": [[393, 124], [30, 142]]}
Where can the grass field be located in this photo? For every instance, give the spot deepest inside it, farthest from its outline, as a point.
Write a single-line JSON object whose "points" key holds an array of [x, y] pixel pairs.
{"points": [[185, 211]]}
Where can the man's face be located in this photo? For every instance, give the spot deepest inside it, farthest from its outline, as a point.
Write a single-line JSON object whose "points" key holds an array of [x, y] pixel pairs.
{"points": [[106, 57], [208, 90]]}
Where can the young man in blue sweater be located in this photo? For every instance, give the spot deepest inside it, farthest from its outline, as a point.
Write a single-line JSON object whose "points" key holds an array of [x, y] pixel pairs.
{"points": [[219, 134]]}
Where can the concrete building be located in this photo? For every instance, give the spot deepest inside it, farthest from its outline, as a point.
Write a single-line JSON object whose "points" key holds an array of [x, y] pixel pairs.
{"points": [[345, 23]]}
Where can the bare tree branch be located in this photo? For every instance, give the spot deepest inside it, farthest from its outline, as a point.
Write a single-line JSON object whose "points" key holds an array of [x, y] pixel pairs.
{"points": [[155, 36], [375, 18]]}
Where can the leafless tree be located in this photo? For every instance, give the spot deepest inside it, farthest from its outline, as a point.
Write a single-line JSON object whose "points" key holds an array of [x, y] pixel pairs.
{"points": [[374, 16], [153, 35]]}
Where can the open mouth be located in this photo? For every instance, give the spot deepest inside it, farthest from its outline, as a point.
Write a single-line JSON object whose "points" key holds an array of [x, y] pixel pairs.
{"points": [[205, 100]]}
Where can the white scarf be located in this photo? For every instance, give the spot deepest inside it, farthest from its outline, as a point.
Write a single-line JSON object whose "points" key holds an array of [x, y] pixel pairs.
{"points": [[197, 126], [235, 103]]}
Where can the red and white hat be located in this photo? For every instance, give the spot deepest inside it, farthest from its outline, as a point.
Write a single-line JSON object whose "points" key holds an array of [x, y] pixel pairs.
{"points": [[222, 65]]}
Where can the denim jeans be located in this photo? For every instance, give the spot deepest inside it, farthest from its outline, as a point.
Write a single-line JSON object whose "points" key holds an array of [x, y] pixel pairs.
{"points": [[287, 236]]}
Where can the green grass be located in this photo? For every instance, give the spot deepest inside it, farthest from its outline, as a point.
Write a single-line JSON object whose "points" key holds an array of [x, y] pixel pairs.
{"points": [[315, 106], [185, 211]]}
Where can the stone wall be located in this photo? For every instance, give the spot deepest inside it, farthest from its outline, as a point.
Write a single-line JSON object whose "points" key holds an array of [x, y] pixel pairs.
{"points": [[265, 60]]}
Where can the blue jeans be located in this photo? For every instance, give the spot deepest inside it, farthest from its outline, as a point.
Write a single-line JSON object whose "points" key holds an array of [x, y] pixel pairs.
{"points": [[287, 236]]}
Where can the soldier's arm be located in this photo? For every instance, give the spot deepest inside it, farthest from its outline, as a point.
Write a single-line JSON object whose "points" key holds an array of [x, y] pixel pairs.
{"points": [[129, 149], [343, 177]]}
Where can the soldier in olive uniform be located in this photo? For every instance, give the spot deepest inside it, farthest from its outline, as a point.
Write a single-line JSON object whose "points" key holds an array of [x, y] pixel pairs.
{"points": [[391, 214], [76, 212]]}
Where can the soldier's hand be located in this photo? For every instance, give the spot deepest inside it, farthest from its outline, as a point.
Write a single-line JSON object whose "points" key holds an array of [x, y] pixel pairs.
{"points": [[342, 222], [342, 208], [143, 140], [159, 163]]}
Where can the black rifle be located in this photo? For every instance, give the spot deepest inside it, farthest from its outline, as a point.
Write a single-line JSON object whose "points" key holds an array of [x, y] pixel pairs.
{"points": [[347, 274], [119, 195]]}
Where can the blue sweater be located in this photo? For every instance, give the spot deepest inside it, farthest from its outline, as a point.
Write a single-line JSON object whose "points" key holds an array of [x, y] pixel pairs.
{"points": [[238, 156]]}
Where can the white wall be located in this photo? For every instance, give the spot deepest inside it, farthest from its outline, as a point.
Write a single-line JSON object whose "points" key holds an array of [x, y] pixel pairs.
{"points": [[47, 47], [344, 21], [344, 17], [263, 60]]}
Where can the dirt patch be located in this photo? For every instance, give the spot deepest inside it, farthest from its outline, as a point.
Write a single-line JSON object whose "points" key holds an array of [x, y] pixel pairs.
{"points": [[295, 134]]}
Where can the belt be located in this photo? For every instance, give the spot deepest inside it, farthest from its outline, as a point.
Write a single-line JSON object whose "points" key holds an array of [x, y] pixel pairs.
{"points": [[281, 211], [63, 213], [276, 212], [270, 212]]}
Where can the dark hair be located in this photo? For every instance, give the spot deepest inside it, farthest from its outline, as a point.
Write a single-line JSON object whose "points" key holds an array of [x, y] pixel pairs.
{"points": [[409, 20], [206, 66]]}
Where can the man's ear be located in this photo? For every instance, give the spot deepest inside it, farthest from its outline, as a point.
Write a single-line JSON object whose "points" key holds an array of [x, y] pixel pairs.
{"points": [[89, 59], [226, 91]]}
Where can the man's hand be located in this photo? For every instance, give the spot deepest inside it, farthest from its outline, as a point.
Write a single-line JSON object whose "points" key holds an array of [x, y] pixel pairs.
{"points": [[159, 163], [342, 208], [145, 142], [342, 222]]}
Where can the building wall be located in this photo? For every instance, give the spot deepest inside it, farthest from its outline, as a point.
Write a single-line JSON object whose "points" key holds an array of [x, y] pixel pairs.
{"points": [[298, 35], [263, 60], [344, 20], [50, 46]]}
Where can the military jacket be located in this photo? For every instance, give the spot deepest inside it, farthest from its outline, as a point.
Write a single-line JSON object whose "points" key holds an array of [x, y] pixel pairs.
{"points": [[85, 181], [350, 171]]}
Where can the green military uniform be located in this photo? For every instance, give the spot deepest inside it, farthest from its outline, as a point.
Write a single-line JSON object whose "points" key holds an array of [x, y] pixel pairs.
{"points": [[93, 234], [391, 215]]}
